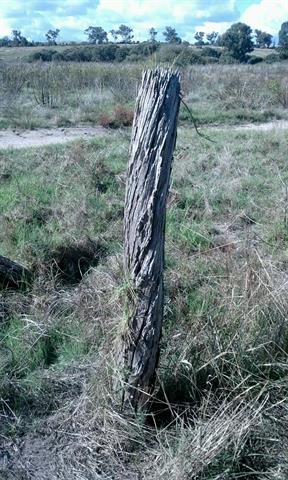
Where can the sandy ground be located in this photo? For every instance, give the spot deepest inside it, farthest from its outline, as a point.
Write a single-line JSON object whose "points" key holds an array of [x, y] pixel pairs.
{"points": [[279, 124], [16, 138]]}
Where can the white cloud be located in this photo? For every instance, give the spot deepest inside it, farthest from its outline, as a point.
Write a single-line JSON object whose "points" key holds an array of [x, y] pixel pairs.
{"points": [[176, 11], [4, 27], [34, 17], [209, 27], [267, 15], [182, 15]]}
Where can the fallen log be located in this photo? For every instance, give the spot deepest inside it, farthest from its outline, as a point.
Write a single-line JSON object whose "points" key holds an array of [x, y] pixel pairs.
{"points": [[13, 275]]}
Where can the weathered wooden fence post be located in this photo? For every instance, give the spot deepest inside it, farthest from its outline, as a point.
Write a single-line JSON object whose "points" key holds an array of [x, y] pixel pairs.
{"points": [[151, 152]]}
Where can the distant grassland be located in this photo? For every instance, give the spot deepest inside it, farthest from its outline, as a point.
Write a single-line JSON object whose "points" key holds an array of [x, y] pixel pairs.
{"points": [[15, 54]]}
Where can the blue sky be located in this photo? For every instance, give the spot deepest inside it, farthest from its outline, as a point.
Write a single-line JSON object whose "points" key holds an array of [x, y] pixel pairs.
{"points": [[72, 17]]}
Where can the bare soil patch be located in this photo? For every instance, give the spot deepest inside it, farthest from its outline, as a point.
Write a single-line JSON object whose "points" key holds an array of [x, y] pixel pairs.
{"points": [[264, 127], [14, 138]]}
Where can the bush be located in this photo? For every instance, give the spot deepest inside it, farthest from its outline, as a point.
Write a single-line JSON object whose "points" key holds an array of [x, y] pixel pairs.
{"points": [[104, 53], [279, 89], [210, 59], [272, 58], [121, 54], [96, 53], [134, 58], [43, 55], [121, 117], [254, 59], [179, 55], [210, 52], [58, 57], [283, 54], [143, 49], [226, 58]]}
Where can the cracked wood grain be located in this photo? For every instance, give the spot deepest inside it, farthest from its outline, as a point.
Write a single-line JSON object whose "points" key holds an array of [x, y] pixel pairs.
{"points": [[151, 153]]}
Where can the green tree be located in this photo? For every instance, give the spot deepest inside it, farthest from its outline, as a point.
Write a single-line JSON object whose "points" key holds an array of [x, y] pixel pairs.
{"points": [[283, 40], [152, 35], [199, 37], [212, 37], [171, 36], [5, 41], [96, 35], [114, 35], [18, 40], [52, 36], [238, 41], [125, 33], [263, 39]]}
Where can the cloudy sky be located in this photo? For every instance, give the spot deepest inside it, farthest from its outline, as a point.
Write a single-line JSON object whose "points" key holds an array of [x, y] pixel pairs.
{"points": [[72, 17]]}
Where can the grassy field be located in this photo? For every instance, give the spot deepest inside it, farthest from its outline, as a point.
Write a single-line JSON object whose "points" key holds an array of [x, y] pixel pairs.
{"points": [[262, 52], [45, 95], [11, 55], [220, 408], [222, 389]]}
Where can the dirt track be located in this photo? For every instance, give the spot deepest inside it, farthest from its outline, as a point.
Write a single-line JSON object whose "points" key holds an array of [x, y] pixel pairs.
{"points": [[279, 124], [13, 138], [16, 138]]}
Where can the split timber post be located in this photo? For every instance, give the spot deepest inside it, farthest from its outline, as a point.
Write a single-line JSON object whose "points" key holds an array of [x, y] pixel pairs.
{"points": [[151, 153]]}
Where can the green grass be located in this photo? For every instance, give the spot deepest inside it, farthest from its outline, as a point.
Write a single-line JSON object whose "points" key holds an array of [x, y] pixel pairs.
{"points": [[45, 95], [222, 376], [36, 210], [9, 54], [51, 94]]}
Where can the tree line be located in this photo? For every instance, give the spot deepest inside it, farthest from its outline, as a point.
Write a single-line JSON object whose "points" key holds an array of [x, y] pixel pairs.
{"points": [[239, 40]]}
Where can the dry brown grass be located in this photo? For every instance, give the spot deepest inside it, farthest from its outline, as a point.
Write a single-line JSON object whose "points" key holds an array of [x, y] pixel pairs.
{"points": [[220, 407]]}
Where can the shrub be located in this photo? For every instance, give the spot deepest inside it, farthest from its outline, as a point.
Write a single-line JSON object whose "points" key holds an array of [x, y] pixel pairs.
{"points": [[279, 89], [283, 54], [104, 53], [106, 120], [96, 53], [226, 58], [179, 55], [254, 59], [58, 57], [121, 54], [134, 58], [143, 49], [210, 52], [210, 59], [121, 117], [44, 55], [272, 58]]}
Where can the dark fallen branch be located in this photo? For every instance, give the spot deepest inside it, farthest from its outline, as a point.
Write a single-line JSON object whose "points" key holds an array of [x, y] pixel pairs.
{"points": [[13, 275]]}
